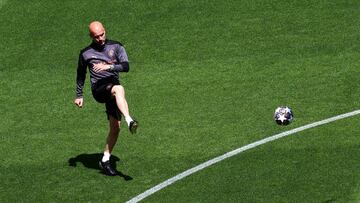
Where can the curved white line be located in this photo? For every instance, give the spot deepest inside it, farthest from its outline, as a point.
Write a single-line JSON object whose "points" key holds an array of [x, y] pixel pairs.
{"points": [[235, 152]]}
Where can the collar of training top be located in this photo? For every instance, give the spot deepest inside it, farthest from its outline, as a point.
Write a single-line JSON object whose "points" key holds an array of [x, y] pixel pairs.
{"points": [[98, 46]]}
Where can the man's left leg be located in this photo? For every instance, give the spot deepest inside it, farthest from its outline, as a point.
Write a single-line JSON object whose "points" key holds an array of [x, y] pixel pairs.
{"points": [[113, 135], [118, 92]]}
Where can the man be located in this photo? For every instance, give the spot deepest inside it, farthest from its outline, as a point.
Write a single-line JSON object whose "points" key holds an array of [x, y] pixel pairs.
{"points": [[105, 59]]}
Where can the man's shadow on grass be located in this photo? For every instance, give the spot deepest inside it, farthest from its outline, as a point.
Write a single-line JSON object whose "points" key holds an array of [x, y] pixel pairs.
{"points": [[92, 161]]}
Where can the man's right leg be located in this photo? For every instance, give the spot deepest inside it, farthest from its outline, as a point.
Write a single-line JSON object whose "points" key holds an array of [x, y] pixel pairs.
{"points": [[114, 131], [113, 135]]}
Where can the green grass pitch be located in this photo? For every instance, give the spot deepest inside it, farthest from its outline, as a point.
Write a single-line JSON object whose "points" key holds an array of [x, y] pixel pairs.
{"points": [[205, 78]]}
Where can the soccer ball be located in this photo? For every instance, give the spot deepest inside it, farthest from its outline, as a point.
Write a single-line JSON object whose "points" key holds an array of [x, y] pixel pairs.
{"points": [[283, 115]]}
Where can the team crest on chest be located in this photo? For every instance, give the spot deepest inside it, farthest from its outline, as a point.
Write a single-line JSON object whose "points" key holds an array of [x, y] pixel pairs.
{"points": [[111, 52]]}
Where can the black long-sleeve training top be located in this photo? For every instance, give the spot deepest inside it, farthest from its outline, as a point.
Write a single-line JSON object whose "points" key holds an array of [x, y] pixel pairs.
{"points": [[112, 52]]}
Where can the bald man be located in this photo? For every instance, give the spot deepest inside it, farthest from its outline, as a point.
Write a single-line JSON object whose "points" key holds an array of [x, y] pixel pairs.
{"points": [[105, 59]]}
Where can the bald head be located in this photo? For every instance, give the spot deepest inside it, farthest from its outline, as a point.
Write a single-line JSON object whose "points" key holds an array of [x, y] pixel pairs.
{"points": [[97, 32]]}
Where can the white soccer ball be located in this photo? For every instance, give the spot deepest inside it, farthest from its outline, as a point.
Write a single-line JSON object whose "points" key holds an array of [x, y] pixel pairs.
{"points": [[283, 115]]}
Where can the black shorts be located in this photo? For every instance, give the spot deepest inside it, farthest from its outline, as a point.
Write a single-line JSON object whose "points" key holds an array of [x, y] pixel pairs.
{"points": [[102, 93]]}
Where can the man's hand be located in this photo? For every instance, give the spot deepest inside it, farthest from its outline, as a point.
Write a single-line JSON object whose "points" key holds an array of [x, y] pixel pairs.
{"points": [[79, 102], [101, 67]]}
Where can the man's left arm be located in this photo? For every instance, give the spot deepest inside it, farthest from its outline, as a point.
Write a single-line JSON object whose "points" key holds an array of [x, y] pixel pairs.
{"points": [[122, 64], [117, 67], [120, 67]]}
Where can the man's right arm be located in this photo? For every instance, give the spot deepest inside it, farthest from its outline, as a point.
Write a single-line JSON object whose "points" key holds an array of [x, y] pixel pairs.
{"points": [[80, 80]]}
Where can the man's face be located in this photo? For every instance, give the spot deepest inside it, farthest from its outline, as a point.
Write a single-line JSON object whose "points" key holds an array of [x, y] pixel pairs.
{"points": [[98, 36]]}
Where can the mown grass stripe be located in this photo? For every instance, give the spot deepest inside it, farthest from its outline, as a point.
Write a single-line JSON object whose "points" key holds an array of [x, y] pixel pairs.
{"points": [[2, 3]]}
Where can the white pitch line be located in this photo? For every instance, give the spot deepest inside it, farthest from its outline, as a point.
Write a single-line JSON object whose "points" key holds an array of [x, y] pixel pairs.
{"points": [[235, 152]]}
